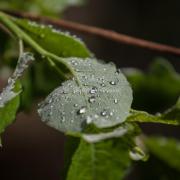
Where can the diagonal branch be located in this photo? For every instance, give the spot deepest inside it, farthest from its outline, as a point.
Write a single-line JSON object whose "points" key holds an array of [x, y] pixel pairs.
{"points": [[108, 34]]}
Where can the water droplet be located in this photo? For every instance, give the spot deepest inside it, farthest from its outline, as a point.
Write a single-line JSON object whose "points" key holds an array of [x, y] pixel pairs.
{"points": [[111, 113], [93, 90], [89, 120], [115, 101], [82, 110], [112, 82], [137, 154], [118, 71], [104, 113], [96, 116], [103, 85], [92, 99], [63, 119], [75, 105]]}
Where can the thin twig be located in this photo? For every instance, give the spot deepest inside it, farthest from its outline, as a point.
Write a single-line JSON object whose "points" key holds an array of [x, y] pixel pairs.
{"points": [[108, 34], [6, 30]]}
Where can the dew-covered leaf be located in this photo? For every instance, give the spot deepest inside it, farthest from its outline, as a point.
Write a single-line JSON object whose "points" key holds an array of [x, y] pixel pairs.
{"points": [[105, 160], [9, 97], [8, 92], [155, 90], [165, 149], [171, 116], [99, 94], [55, 41]]}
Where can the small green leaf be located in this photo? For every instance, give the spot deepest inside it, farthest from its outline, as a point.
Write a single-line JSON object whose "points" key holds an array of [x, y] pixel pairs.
{"points": [[106, 160], [9, 97], [8, 112], [172, 116], [53, 40], [40, 6], [98, 94], [165, 149]]}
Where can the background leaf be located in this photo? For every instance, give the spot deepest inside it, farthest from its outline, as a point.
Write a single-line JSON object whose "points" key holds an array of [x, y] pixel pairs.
{"points": [[8, 112], [156, 90], [106, 160], [166, 149], [40, 6]]}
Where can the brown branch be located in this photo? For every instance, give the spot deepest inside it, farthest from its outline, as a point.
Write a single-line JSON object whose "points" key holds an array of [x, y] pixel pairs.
{"points": [[108, 34], [4, 29]]}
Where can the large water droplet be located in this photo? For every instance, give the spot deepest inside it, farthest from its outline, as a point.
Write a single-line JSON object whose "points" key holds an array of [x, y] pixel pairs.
{"points": [[82, 110], [112, 82], [89, 120], [92, 99], [93, 90], [104, 113], [115, 101], [137, 154]]}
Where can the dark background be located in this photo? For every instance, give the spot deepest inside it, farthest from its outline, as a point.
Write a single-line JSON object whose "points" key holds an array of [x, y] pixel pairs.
{"points": [[31, 150]]}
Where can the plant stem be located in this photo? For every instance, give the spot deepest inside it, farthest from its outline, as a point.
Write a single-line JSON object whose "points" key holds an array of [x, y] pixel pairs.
{"points": [[108, 34]]}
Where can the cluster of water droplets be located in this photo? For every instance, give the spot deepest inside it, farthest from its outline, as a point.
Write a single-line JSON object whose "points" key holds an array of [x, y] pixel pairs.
{"points": [[8, 92], [103, 97], [47, 28]]}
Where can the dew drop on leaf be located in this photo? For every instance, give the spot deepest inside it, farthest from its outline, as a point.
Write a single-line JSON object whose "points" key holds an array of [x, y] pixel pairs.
{"points": [[137, 154], [115, 101], [112, 82], [82, 110], [104, 113], [92, 99], [93, 90]]}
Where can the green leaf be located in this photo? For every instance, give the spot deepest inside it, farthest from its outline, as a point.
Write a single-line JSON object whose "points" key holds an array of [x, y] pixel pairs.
{"points": [[39, 6], [98, 94], [156, 90], [106, 160], [9, 97], [52, 40], [8, 112], [172, 116], [165, 149]]}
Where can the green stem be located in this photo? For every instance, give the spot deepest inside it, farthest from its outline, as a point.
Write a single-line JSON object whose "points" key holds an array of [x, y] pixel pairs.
{"points": [[6, 20]]}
